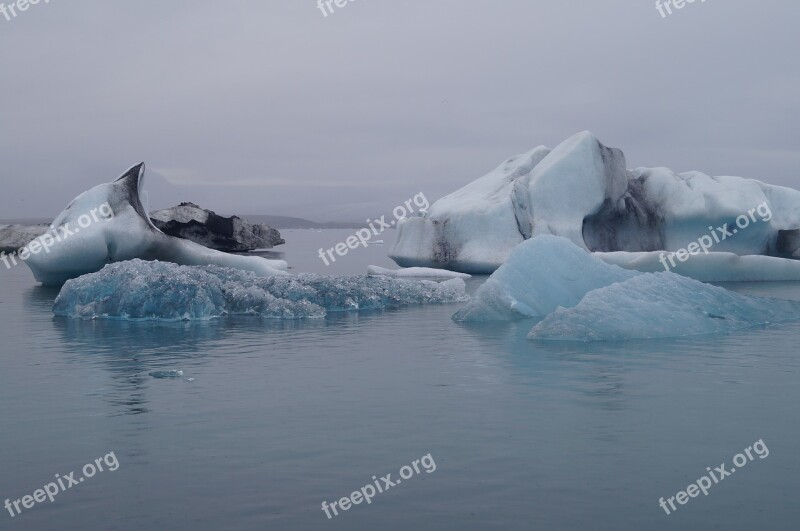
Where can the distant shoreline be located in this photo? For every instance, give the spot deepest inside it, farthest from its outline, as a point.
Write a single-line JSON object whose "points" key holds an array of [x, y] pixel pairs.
{"points": [[276, 222], [287, 222]]}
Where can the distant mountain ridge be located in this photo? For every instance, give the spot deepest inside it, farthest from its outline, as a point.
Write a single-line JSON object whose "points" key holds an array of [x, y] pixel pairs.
{"points": [[287, 222]]}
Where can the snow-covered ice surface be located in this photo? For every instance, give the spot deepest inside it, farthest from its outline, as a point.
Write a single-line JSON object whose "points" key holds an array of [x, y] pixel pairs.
{"points": [[582, 191], [414, 272], [142, 290], [473, 229], [540, 275], [125, 235], [661, 305], [711, 267]]}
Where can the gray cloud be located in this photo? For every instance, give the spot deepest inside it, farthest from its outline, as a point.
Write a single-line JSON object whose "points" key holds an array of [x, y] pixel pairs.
{"points": [[255, 106]]}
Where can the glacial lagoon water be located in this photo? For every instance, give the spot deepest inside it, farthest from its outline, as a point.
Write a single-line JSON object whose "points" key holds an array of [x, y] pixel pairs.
{"points": [[270, 419]]}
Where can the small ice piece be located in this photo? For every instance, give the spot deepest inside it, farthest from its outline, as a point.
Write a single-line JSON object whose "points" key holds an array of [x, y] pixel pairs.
{"points": [[164, 375], [141, 290], [414, 272], [540, 275], [661, 305]]}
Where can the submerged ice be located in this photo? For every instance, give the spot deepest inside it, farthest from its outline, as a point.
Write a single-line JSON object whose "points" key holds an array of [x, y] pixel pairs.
{"points": [[141, 290]]}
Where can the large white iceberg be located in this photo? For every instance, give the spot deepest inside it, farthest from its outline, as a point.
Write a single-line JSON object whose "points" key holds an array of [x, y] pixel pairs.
{"points": [[582, 191], [142, 290], [109, 224]]}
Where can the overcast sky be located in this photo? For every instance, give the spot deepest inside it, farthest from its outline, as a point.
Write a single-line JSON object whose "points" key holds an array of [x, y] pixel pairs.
{"points": [[269, 107]]}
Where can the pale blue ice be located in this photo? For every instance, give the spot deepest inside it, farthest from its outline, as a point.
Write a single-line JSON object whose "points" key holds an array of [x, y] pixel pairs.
{"points": [[139, 290]]}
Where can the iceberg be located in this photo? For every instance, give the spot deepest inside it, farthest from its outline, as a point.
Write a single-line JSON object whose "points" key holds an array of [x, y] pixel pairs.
{"points": [[661, 305], [581, 190], [540, 275], [578, 297], [15, 237], [81, 242], [711, 267], [206, 227], [473, 229], [162, 291], [414, 272]]}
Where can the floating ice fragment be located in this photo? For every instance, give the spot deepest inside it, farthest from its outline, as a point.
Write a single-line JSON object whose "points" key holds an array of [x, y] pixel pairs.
{"points": [[414, 272], [163, 375], [540, 275], [140, 290], [661, 305]]}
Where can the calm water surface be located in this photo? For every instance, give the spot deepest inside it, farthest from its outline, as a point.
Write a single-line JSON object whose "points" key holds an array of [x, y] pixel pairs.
{"points": [[281, 416]]}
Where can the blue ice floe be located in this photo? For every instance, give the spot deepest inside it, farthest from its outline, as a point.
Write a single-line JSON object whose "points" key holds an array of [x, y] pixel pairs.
{"points": [[540, 275], [143, 290], [579, 297], [661, 305]]}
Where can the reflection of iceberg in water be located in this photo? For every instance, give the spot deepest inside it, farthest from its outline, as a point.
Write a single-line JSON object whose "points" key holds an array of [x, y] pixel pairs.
{"points": [[128, 353], [594, 374]]}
